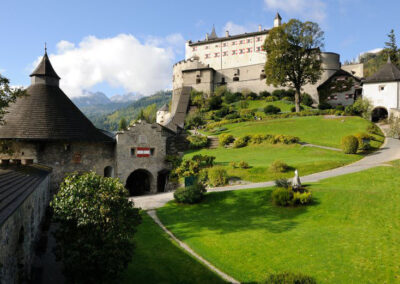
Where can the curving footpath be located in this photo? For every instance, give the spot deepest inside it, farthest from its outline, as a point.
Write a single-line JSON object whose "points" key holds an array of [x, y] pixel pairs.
{"points": [[389, 151]]}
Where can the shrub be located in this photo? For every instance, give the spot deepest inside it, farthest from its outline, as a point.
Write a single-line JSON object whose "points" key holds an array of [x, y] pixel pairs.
{"points": [[221, 91], [373, 129], [241, 142], [194, 119], [293, 109], [246, 113], [225, 139], [264, 94], [232, 115], [197, 141], [244, 104], [289, 99], [286, 139], [257, 138], [290, 278], [243, 165], [363, 140], [215, 103], [324, 105], [95, 211], [302, 198], [278, 166], [217, 176], [231, 97], [188, 168], [191, 194], [283, 182], [362, 107], [251, 96], [349, 144], [271, 99], [280, 93], [234, 164], [204, 160], [271, 109], [340, 107], [306, 99], [282, 196], [197, 98]]}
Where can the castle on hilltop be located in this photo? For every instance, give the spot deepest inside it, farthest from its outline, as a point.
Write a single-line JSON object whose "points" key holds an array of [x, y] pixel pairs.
{"points": [[238, 62]]}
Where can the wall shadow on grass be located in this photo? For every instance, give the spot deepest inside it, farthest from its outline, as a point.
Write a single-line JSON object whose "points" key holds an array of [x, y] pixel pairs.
{"points": [[227, 212]]}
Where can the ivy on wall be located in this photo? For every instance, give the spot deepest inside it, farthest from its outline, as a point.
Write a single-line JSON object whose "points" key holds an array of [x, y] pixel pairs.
{"points": [[335, 86]]}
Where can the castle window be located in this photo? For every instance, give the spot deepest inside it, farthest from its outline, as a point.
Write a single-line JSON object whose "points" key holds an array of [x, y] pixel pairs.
{"points": [[241, 51], [248, 40], [207, 47], [133, 152], [236, 78], [216, 54], [249, 50], [233, 42], [198, 80], [242, 41], [216, 45], [258, 48], [67, 147], [152, 151], [207, 56], [381, 88], [233, 52], [194, 48], [258, 38], [225, 53], [224, 44]]}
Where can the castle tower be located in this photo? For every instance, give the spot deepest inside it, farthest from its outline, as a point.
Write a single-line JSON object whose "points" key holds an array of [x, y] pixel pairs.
{"points": [[277, 20]]}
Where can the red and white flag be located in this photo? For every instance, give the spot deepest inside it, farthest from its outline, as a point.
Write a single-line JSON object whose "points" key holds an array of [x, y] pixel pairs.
{"points": [[143, 152]]}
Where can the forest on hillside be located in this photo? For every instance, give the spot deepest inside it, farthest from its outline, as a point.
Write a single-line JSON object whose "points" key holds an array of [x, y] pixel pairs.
{"points": [[108, 118]]}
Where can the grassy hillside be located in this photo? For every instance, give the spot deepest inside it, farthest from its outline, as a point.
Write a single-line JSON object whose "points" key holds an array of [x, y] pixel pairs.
{"points": [[351, 234], [109, 120]]}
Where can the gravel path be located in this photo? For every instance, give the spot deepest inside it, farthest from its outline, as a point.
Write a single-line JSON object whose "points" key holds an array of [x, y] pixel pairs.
{"points": [[389, 151]]}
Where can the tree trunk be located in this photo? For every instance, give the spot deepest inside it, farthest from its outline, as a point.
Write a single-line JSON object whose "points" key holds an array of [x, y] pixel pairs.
{"points": [[297, 100]]}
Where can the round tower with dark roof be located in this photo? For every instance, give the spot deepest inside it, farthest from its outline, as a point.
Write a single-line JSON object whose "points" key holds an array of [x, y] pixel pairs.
{"points": [[46, 127]]}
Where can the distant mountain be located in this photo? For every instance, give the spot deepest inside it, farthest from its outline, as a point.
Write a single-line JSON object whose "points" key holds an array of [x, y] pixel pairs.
{"points": [[91, 98], [128, 97], [108, 118]]}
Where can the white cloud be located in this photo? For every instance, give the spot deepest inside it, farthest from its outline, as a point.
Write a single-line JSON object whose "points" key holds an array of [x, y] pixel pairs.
{"points": [[235, 29], [121, 61], [308, 9]]}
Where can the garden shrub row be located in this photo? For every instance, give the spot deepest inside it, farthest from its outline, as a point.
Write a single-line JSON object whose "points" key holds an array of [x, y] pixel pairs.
{"points": [[197, 141], [352, 143]]}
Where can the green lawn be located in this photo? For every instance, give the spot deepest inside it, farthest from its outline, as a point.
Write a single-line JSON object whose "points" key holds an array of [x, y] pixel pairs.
{"points": [[306, 159], [259, 105], [350, 235], [313, 129], [158, 259]]}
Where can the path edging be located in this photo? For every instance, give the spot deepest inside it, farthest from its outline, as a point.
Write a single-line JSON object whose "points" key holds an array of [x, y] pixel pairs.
{"points": [[153, 215]]}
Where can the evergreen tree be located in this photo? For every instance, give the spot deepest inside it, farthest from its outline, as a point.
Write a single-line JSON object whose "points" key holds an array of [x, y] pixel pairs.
{"points": [[391, 48], [141, 115], [123, 125]]}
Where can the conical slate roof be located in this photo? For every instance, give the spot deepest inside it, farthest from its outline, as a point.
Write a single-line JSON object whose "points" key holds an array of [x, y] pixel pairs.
{"points": [[388, 73], [278, 16], [45, 68], [46, 113], [213, 34]]}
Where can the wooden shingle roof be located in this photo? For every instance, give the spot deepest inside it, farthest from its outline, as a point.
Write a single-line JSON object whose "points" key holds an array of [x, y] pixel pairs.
{"points": [[46, 113], [388, 73]]}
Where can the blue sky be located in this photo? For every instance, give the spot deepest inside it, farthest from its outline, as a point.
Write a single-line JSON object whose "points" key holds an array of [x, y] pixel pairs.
{"points": [[120, 46]]}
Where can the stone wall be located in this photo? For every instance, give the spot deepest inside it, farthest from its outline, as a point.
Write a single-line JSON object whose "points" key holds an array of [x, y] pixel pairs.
{"points": [[143, 135], [18, 233], [65, 157]]}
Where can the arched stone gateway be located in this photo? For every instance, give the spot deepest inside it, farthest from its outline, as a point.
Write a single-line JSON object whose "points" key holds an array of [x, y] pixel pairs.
{"points": [[139, 182], [379, 113]]}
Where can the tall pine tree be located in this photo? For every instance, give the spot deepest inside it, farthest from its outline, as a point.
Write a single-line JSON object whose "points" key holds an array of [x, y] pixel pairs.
{"points": [[391, 48]]}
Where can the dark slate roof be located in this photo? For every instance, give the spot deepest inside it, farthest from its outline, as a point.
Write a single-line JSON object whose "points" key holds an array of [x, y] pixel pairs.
{"points": [[218, 39], [16, 184], [164, 108], [278, 16], [388, 73], [46, 113], [339, 72], [45, 68], [213, 34]]}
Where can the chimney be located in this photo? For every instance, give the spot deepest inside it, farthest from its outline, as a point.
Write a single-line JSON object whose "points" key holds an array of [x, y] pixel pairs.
{"points": [[259, 28], [227, 33], [206, 36]]}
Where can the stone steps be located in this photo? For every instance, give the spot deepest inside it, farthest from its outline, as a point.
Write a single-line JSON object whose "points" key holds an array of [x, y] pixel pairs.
{"points": [[213, 142]]}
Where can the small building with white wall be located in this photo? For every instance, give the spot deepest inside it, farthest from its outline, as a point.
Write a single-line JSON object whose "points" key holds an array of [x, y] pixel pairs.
{"points": [[382, 89]]}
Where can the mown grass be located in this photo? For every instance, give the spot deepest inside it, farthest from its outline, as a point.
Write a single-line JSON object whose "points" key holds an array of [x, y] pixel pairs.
{"points": [[158, 259], [351, 234], [319, 130], [306, 159]]}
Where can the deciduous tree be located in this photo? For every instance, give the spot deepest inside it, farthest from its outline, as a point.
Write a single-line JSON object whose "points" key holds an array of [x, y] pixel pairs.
{"points": [[294, 55]]}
